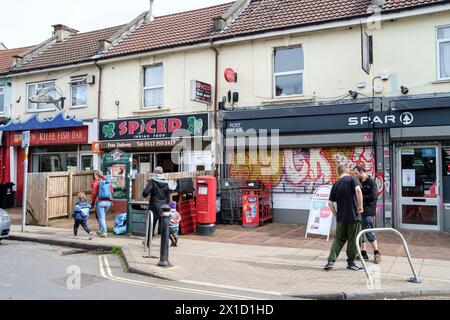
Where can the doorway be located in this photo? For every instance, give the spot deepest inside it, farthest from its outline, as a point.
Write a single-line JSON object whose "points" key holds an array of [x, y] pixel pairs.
{"points": [[419, 187]]}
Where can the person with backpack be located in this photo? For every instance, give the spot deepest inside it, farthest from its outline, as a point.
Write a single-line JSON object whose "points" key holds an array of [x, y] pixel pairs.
{"points": [[102, 192], [81, 215], [158, 190]]}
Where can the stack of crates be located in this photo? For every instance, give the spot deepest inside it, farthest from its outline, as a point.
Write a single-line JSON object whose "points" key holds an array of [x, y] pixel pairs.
{"points": [[231, 200], [188, 214]]}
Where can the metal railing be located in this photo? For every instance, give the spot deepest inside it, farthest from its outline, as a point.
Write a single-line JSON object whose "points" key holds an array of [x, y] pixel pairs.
{"points": [[149, 233], [414, 279]]}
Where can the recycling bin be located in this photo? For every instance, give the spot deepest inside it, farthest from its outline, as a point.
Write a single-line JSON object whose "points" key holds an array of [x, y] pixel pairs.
{"points": [[7, 195]]}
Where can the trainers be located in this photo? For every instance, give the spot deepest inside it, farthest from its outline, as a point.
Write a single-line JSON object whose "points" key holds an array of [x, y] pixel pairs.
{"points": [[377, 258], [103, 235], [353, 266], [329, 266], [91, 236], [365, 257]]}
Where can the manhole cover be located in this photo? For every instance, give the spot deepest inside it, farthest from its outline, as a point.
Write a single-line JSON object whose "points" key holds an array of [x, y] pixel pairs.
{"points": [[85, 281]]}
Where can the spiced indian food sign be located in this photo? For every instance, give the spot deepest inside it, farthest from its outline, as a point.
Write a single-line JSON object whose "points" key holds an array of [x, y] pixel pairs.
{"points": [[141, 129]]}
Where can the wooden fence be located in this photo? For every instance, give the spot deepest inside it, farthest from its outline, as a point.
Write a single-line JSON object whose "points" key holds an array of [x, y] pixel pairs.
{"points": [[142, 178], [52, 195]]}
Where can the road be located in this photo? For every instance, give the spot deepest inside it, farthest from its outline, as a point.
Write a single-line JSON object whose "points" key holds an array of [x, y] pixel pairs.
{"points": [[36, 271]]}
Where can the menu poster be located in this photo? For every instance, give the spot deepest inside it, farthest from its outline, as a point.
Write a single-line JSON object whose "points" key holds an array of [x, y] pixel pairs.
{"points": [[446, 160]]}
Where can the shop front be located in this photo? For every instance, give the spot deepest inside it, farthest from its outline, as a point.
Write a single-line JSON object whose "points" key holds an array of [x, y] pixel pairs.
{"points": [[404, 144], [56, 145], [305, 147], [155, 141]]}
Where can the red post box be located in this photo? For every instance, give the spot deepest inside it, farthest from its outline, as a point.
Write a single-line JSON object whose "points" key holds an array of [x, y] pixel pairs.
{"points": [[206, 205]]}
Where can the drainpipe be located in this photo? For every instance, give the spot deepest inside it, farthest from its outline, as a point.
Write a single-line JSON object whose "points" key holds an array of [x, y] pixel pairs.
{"points": [[99, 94], [216, 106]]}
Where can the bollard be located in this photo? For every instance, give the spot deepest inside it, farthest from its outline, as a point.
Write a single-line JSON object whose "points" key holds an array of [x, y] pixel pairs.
{"points": [[165, 217]]}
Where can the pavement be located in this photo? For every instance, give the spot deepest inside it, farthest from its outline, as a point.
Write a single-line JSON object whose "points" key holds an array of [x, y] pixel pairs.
{"points": [[222, 262]]}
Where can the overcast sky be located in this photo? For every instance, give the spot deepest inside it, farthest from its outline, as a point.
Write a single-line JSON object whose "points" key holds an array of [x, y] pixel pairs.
{"points": [[28, 22]]}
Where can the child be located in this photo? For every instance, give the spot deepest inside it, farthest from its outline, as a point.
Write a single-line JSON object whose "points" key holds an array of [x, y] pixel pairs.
{"points": [[81, 215], [174, 224]]}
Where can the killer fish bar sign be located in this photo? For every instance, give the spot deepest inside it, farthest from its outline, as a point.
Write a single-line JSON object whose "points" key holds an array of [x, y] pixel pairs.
{"points": [[153, 128], [53, 136]]}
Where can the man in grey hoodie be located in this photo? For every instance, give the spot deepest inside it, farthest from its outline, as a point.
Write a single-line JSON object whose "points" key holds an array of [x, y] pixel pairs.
{"points": [[159, 192]]}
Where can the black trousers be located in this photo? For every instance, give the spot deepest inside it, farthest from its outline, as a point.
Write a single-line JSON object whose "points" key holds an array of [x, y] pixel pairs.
{"points": [[77, 224]]}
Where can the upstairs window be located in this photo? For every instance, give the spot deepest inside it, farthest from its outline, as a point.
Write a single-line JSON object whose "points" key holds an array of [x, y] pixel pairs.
{"points": [[288, 71], [2, 99], [78, 92], [153, 90], [443, 47], [32, 90]]}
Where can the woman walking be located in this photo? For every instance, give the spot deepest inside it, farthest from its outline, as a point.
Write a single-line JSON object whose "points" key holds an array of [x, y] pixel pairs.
{"points": [[102, 192]]}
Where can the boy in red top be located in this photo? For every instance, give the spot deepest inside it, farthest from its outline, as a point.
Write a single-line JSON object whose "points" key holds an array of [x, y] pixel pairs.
{"points": [[101, 205]]}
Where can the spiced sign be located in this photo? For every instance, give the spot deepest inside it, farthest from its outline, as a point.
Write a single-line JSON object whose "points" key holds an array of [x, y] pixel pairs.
{"points": [[153, 128]]}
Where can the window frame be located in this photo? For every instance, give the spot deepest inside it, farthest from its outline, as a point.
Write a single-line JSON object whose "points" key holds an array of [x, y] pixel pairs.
{"points": [[144, 88], [287, 73], [438, 52], [36, 110], [72, 82], [2, 97]]}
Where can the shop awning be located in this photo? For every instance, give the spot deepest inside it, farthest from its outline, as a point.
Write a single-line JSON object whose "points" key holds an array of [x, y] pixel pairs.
{"points": [[34, 123]]}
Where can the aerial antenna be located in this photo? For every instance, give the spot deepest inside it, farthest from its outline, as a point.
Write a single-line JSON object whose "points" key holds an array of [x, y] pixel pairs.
{"points": [[43, 96]]}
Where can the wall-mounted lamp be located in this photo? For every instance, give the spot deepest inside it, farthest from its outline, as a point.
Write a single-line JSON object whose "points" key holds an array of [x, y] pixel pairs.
{"points": [[353, 94], [117, 103], [404, 90]]}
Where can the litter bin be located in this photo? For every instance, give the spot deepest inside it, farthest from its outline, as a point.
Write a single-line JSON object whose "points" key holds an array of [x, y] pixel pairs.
{"points": [[137, 215], [9, 195]]}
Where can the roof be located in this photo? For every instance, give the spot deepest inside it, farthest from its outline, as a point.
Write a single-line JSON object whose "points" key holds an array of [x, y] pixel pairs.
{"points": [[77, 48], [171, 30], [6, 58], [260, 16], [266, 15]]}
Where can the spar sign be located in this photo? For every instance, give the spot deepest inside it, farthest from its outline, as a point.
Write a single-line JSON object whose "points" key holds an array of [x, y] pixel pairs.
{"points": [[320, 215]]}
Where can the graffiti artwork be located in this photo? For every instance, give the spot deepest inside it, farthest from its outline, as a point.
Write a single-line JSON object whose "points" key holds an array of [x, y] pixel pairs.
{"points": [[302, 169]]}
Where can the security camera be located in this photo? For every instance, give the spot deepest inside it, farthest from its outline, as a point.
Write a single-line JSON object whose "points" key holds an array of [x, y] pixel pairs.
{"points": [[353, 94]]}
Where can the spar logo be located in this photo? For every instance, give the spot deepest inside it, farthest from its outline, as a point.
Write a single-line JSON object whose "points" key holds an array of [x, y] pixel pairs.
{"points": [[406, 119]]}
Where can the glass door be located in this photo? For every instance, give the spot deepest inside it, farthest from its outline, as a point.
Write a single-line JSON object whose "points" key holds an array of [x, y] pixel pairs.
{"points": [[419, 187]]}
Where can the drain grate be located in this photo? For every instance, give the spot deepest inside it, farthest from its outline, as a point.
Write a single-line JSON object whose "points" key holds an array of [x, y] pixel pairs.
{"points": [[73, 252], [86, 280]]}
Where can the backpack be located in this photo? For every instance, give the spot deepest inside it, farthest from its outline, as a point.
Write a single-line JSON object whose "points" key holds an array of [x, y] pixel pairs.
{"points": [[104, 190], [81, 210]]}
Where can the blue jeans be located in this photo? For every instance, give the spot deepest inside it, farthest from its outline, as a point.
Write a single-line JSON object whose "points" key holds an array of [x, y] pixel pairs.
{"points": [[367, 223], [102, 208]]}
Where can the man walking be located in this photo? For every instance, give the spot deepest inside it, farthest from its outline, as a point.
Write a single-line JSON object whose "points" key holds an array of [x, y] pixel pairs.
{"points": [[347, 193], [369, 190]]}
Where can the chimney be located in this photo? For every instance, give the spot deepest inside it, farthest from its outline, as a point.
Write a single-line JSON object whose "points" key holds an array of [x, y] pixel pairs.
{"points": [[17, 60], [219, 23], [378, 3], [104, 45], [150, 17], [62, 32]]}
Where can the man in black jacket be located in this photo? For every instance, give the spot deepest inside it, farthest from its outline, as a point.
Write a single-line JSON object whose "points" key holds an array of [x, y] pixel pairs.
{"points": [[159, 192], [369, 190]]}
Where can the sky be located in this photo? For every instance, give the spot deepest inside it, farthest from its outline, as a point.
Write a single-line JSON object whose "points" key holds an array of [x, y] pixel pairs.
{"points": [[29, 22]]}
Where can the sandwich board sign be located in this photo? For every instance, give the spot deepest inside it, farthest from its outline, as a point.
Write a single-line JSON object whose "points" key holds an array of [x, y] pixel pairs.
{"points": [[320, 215]]}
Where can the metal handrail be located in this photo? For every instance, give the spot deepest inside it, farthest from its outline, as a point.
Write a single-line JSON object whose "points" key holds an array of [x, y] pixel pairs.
{"points": [[149, 233], [414, 279]]}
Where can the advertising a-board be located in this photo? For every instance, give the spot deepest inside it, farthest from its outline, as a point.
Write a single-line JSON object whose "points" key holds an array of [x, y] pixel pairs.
{"points": [[320, 215]]}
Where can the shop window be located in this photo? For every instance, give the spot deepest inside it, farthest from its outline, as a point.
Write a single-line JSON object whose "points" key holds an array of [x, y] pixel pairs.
{"points": [[288, 71], [153, 90], [443, 47], [33, 89], [2, 99], [79, 92]]}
